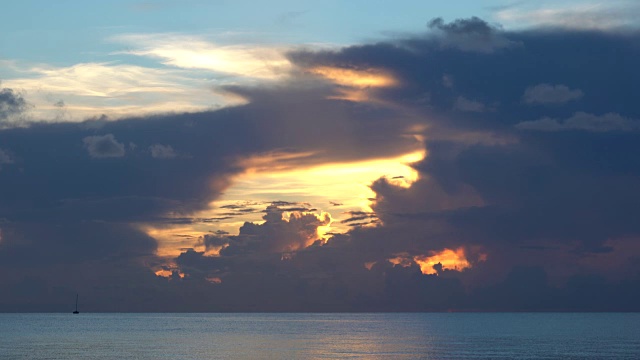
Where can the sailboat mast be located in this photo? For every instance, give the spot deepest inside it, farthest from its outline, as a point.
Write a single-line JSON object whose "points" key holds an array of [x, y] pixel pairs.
{"points": [[76, 311]]}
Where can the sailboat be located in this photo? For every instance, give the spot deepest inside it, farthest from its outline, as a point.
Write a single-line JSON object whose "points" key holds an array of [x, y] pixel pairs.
{"points": [[76, 311]]}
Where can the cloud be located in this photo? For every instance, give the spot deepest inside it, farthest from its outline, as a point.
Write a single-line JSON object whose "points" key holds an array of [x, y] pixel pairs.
{"points": [[522, 188], [191, 52], [282, 231], [137, 191], [115, 89], [464, 104], [584, 122], [488, 217], [360, 218], [473, 34], [159, 151], [588, 16], [5, 158], [473, 25], [447, 81], [550, 94], [103, 146], [11, 104]]}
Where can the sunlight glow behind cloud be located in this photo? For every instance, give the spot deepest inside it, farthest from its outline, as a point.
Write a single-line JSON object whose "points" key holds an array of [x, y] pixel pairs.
{"points": [[344, 183], [449, 259], [355, 78], [331, 188], [437, 261]]}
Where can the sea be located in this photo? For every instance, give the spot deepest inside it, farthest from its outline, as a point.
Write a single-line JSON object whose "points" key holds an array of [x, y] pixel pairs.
{"points": [[321, 336]]}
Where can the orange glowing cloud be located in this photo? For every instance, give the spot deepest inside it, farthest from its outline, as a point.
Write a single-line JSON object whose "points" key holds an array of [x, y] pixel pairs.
{"points": [[171, 240], [343, 186], [369, 78], [168, 273], [449, 259], [401, 259], [214, 280]]}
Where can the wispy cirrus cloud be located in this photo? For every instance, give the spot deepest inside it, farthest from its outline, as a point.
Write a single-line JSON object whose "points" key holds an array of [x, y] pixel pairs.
{"points": [[584, 122], [193, 52], [115, 89], [586, 16]]}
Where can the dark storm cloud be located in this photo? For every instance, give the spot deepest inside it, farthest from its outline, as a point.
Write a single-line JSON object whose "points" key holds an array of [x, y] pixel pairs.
{"points": [[58, 178], [489, 184], [531, 169], [90, 173], [32, 245], [501, 173]]}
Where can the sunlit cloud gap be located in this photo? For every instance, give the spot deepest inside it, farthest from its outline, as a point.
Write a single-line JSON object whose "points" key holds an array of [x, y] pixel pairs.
{"points": [[355, 78], [338, 189], [346, 184]]}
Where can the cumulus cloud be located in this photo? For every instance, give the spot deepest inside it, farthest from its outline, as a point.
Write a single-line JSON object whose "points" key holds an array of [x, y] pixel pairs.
{"points": [[278, 233], [550, 94], [159, 151], [103, 146], [584, 122], [472, 34]]}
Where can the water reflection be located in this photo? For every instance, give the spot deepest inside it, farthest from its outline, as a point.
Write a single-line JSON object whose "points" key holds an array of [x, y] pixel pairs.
{"points": [[319, 336]]}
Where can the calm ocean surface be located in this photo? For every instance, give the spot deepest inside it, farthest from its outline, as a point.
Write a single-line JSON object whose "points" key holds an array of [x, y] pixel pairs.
{"points": [[321, 336]]}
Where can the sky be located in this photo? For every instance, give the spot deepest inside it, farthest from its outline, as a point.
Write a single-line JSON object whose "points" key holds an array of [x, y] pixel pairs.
{"points": [[196, 156]]}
